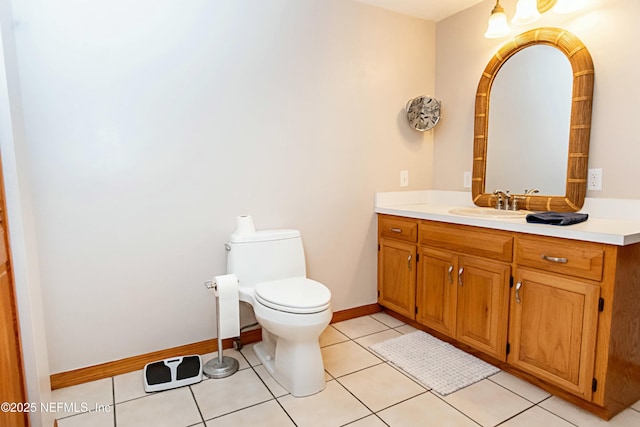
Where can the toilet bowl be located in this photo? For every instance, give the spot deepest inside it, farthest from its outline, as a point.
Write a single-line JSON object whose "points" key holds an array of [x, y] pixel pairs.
{"points": [[289, 349], [292, 309]]}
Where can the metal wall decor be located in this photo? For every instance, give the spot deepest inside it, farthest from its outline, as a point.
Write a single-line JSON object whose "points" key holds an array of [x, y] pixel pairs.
{"points": [[423, 112]]}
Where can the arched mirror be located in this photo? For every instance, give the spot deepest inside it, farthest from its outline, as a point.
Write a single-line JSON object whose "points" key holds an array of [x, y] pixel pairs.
{"points": [[533, 122]]}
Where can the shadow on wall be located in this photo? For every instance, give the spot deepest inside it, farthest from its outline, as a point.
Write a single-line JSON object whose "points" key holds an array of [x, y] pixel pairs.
{"points": [[411, 138]]}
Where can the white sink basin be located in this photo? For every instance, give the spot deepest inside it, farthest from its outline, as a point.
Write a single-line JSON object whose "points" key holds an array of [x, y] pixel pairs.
{"points": [[488, 213]]}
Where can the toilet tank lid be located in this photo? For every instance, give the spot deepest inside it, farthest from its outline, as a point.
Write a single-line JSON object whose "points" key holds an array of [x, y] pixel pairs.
{"points": [[264, 235]]}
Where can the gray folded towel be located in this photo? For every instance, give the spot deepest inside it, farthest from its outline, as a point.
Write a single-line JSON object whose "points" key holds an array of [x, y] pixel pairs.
{"points": [[557, 218]]}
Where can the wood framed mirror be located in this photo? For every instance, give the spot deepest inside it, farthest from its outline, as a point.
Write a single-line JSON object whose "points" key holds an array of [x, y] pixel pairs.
{"points": [[579, 133]]}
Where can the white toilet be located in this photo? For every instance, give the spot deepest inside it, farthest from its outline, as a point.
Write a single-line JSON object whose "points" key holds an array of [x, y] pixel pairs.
{"points": [[291, 309]]}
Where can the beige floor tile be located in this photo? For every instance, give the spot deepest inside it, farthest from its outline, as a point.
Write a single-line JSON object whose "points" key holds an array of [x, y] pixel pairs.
{"points": [[372, 339], [360, 326], [424, 410], [520, 387], [406, 329], [536, 417], [582, 418], [102, 418], [347, 357], [487, 403], [272, 384], [168, 408], [380, 386], [390, 321], [128, 386], [626, 418], [82, 397], [406, 374], [217, 397], [334, 406], [332, 336], [363, 379], [248, 353], [370, 421], [267, 414]]}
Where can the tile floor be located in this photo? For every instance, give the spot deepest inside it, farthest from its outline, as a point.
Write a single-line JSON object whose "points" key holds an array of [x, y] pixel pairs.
{"points": [[362, 391]]}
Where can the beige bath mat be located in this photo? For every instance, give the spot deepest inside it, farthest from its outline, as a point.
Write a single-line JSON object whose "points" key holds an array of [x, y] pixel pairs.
{"points": [[436, 364]]}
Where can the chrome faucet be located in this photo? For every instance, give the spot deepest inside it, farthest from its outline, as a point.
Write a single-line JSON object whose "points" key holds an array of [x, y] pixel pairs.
{"points": [[506, 201], [502, 202], [515, 198]]}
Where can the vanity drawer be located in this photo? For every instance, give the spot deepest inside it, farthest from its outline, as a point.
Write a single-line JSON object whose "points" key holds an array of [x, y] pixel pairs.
{"points": [[573, 258], [492, 244], [398, 228]]}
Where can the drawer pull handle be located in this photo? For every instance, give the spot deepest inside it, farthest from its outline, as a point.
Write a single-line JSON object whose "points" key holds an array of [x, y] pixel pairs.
{"points": [[554, 259], [450, 276], [409, 262], [396, 230], [518, 286], [460, 271]]}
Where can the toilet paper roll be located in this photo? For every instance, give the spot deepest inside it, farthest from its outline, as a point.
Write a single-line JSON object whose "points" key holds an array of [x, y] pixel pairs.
{"points": [[228, 305], [244, 225]]}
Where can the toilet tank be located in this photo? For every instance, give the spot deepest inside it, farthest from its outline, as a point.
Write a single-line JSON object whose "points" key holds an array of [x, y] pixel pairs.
{"points": [[266, 255]]}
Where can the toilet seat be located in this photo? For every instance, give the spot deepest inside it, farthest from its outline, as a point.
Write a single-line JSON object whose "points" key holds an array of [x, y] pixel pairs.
{"points": [[297, 295]]}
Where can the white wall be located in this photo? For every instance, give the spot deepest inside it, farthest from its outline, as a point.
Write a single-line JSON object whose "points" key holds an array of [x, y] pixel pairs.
{"points": [[608, 29], [20, 225], [151, 124]]}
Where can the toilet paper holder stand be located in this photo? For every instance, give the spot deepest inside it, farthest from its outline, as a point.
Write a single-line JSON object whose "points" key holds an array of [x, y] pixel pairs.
{"points": [[222, 366]]}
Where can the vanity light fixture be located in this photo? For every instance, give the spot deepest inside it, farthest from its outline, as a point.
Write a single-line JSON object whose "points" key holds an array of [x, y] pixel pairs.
{"points": [[527, 11], [498, 26], [567, 6]]}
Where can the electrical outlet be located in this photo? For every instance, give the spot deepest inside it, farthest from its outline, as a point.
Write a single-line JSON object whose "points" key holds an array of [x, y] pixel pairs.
{"points": [[594, 179], [466, 179], [404, 178]]}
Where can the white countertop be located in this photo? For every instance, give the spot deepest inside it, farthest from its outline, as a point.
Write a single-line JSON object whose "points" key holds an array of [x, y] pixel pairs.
{"points": [[436, 206]]}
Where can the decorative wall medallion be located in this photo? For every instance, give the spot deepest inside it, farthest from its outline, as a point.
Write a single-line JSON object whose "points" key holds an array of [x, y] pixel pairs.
{"points": [[423, 112]]}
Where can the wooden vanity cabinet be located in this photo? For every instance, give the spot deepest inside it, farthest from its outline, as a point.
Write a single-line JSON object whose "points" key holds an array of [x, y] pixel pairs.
{"points": [[563, 314], [483, 306], [554, 311], [426, 274], [437, 292], [577, 325], [552, 332], [464, 297], [397, 239]]}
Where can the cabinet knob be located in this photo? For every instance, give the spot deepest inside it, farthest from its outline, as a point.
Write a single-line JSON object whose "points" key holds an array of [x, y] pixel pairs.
{"points": [[460, 271], [409, 263], [396, 230], [518, 286], [450, 276]]}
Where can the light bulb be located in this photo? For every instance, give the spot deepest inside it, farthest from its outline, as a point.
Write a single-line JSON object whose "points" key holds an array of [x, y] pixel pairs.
{"points": [[497, 26], [526, 12]]}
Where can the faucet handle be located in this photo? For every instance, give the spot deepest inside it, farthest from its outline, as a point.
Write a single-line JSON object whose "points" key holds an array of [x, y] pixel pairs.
{"points": [[529, 192], [514, 202]]}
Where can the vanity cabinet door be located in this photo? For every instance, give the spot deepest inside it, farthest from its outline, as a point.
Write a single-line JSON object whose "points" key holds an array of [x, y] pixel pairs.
{"points": [[553, 325], [437, 290], [483, 305], [397, 276]]}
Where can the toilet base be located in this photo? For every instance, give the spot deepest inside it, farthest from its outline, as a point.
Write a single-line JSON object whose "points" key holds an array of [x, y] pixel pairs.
{"points": [[296, 367]]}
